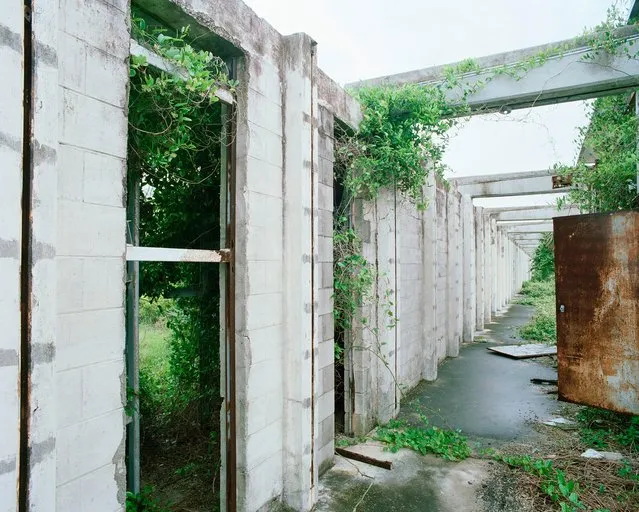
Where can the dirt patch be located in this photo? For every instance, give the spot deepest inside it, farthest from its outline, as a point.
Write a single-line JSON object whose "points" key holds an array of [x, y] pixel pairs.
{"points": [[500, 491]]}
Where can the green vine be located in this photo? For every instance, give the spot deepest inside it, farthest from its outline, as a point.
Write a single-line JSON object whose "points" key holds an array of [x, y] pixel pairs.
{"points": [[401, 140]]}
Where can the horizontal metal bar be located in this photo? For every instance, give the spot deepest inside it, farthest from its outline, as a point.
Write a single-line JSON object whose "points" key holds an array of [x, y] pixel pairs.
{"points": [[157, 61], [135, 253]]}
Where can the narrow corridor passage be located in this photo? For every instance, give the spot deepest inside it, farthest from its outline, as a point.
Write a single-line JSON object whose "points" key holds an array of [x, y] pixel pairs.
{"points": [[487, 396]]}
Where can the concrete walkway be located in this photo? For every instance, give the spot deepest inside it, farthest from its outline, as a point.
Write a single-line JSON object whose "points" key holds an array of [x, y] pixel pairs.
{"points": [[490, 398]]}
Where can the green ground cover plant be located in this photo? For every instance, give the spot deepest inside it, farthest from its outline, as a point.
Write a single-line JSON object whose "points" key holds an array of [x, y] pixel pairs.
{"points": [[424, 438]]}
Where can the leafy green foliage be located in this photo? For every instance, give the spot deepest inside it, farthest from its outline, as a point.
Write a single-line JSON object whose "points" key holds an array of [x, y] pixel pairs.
{"points": [[402, 130], [552, 481], [143, 502], [612, 137], [448, 444], [603, 429], [543, 262], [353, 276], [543, 325]]}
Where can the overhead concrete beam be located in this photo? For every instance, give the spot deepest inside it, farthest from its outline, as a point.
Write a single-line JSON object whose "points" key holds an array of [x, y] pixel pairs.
{"points": [[542, 227], [529, 213], [512, 184], [569, 75], [525, 236]]}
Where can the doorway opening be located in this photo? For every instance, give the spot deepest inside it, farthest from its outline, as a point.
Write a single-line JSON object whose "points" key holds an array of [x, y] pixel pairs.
{"points": [[180, 218]]}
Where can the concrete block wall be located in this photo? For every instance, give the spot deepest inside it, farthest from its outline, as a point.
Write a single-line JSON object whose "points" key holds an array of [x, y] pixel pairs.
{"points": [[11, 60], [91, 229], [325, 390], [452, 260], [412, 291]]}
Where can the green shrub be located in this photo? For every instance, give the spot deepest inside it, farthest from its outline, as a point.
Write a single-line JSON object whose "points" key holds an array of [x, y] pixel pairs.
{"points": [[543, 325]]}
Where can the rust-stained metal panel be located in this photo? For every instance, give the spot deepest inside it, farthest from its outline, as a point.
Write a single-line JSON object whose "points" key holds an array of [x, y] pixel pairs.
{"points": [[597, 275]]}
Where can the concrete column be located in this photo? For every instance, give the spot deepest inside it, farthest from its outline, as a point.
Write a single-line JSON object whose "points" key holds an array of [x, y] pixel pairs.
{"points": [[299, 379], [469, 270], [479, 267], [429, 264], [494, 293], [454, 275], [488, 267]]}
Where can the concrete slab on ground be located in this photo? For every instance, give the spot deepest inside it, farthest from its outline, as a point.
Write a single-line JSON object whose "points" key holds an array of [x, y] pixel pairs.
{"points": [[415, 484]]}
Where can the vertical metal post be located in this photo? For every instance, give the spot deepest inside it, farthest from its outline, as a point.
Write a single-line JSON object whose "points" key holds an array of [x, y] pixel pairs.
{"points": [[132, 340], [228, 492]]}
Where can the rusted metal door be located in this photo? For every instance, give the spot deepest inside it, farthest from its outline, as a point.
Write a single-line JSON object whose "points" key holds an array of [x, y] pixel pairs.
{"points": [[597, 276]]}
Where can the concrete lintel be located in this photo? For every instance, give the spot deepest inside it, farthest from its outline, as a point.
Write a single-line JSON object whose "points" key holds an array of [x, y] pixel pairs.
{"points": [[529, 213], [564, 77], [542, 227], [525, 236], [511, 184]]}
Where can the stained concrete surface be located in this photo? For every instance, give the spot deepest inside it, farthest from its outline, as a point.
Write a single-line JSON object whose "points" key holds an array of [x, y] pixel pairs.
{"points": [[490, 398], [487, 395]]}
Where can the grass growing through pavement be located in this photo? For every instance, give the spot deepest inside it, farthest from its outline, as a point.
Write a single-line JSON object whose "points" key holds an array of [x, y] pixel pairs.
{"points": [[543, 326]]}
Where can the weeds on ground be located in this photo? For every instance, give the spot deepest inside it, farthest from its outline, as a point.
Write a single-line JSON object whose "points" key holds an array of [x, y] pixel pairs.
{"points": [[601, 429], [448, 444], [552, 481], [543, 326]]}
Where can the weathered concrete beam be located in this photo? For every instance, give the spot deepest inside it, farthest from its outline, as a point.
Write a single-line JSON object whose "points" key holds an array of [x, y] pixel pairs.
{"points": [[542, 227], [568, 76], [529, 213], [512, 184], [525, 236], [336, 100]]}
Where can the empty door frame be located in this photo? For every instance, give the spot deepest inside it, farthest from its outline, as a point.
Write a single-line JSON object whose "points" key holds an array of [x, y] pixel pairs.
{"points": [[225, 258]]}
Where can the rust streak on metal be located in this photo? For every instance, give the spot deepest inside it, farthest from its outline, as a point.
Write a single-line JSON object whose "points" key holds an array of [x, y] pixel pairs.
{"points": [[597, 279]]}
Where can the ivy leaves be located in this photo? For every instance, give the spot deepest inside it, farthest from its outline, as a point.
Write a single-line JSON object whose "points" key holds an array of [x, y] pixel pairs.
{"points": [[402, 132]]}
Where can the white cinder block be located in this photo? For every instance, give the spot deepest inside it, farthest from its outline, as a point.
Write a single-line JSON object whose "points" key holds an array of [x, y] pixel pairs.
{"points": [[263, 177], [106, 77], [11, 90], [89, 337], [265, 145], [96, 491], [72, 62], [264, 244], [102, 388], [263, 210], [263, 310], [260, 445], [70, 172], [262, 411], [10, 303], [104, 179], [70, 286], [265, 378], [83, 447], [68, 396], [265, 344], [266, 276], [10, 412], [264, 112], [103, 281], [97, 23], [264, 482], [8, 486], [264, 78], [90, 230], [10, 191], [93, 124]]}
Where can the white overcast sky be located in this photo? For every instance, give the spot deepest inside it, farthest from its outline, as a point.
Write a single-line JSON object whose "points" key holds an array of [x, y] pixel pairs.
{"points": [[359, 39]]}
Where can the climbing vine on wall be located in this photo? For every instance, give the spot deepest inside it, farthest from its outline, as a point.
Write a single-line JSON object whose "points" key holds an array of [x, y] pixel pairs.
{"points": [[402, 137]]}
